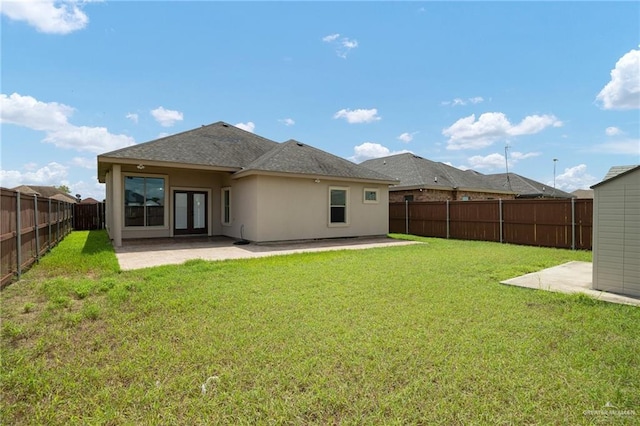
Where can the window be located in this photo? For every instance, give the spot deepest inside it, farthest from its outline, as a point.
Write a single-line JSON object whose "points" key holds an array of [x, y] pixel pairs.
{"points": [[226, 206], [338, 214], [370, 195], [144, 201]]}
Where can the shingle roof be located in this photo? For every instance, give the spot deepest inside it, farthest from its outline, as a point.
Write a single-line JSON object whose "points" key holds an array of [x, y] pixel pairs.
{"points": [[226, 146], [218, 144], [46, 192], [525, 187], [615, 172], [295, 157], [415, 171]]}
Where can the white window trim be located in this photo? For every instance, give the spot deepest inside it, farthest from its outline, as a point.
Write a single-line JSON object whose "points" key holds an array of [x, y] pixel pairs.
{"points": [[364, 195], [222, 191], [347, 207], [166, 202], [209, 205]]}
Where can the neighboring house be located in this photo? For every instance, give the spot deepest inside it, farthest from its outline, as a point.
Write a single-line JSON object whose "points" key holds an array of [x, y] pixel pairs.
{"points": [[525, 187], [89, 200], [426, 180], [221, 180], [584, 194], [616, 231], [46, 192]]}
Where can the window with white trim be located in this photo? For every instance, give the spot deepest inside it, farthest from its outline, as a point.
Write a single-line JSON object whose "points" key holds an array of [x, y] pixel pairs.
{"points": [[370, 196], [144, 200], [226, 206], [338, 205]]}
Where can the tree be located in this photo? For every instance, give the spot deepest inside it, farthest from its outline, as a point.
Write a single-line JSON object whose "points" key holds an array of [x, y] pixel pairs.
{"points": [[64, 188]]}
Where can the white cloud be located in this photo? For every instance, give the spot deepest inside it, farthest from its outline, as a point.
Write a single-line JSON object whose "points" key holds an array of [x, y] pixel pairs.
{"points": [[624, 147], [467, 133], [287, 121], [133, 117], [330, 38], [623, 91], [85, 163], [27, 111], [358, 115], [47, 16], [51, 174], [52, 118], [94, 189], [166, 117], [462, 102], [406, 137], [574, 178], [248, 126], [369, 150], [496, 161], [342, 45], [613, 131]]}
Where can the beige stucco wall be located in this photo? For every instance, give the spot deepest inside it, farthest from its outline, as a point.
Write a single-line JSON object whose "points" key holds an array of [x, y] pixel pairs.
{"points": [[263, 208], [298, 208], [616, 235]]}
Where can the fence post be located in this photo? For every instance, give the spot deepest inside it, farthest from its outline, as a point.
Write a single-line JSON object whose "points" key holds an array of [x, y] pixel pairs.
{"points": [[573, 223], [18, 236], [57, 221], [49, 224], [447, 219], [406, 217], [500, 217], [37, 226]]}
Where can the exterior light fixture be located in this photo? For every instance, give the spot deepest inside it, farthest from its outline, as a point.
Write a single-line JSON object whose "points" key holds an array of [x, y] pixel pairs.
{"points": [[140, 167]]}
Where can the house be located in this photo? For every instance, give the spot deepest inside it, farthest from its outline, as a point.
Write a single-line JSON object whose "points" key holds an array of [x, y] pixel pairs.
{"points": [[525, 187], [221, 180], [616, 231], [426, 180], [89, 200], [46, 192], [583, 194]]}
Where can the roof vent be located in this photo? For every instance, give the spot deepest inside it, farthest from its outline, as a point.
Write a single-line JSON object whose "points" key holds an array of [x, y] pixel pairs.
{"points": [[299, 144], [435, 179], [225, 125]]}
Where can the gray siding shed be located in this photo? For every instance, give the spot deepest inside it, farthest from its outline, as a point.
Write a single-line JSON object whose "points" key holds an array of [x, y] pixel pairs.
{"points": [[616, 232]]}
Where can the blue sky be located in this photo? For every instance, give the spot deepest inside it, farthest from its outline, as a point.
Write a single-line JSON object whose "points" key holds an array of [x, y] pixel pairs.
{"points": [[455, 82]]}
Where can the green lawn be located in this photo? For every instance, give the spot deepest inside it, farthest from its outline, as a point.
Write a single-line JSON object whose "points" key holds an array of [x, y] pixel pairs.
{"points": [[419, 334]]}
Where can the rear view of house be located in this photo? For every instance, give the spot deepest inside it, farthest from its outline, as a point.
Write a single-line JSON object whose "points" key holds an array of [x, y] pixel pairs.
{"points": [[616, 231], [221, 180]]}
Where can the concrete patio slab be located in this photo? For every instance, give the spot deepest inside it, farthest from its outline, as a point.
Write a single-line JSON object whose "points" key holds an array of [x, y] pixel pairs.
{"points": [[145, 253], [571, 277]]}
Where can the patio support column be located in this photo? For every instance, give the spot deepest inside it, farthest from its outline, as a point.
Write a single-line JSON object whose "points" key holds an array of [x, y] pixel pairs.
{"points": [[116, 205]]}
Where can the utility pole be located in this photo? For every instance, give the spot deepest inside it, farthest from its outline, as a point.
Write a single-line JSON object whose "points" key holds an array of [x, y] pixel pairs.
{"points": [[555, 160], [506, 163]]}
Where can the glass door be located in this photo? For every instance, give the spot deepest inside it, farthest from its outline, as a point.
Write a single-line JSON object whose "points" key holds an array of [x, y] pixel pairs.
{"points": [[190, 212]]}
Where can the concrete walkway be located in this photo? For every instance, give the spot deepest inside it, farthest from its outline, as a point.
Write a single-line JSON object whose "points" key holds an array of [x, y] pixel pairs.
{"points": [[137, 254], [572, 277]]}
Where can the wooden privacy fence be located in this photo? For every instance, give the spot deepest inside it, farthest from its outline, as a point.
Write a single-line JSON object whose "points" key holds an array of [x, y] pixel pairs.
{"points": [[88, 217], [29, 227], [565, 223]]}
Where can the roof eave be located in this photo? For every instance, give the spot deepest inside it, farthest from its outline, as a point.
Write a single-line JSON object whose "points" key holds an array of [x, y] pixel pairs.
{"points": [[253, 172]]}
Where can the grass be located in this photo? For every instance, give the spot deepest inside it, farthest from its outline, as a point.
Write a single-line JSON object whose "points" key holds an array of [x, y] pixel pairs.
{"points": [[419, 334]]}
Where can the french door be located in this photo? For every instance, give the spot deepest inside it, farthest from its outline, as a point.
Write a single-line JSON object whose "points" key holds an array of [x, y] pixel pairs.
{"points": [[190, 212]]}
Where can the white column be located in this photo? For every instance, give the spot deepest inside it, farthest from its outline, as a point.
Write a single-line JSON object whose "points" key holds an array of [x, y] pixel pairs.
{"points": [[117, 202]]}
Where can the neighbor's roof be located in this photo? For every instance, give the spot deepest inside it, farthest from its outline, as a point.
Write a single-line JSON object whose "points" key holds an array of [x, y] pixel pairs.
{"points": [[527, 188], [226, 147], [45, 192], [414, 171], [617, 171], [583, 193]]}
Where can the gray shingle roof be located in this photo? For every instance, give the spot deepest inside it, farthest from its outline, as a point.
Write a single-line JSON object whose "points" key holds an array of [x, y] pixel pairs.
{"points": [[415, 171], [46, 192], [527, 188], [226, 146], [617, 170], [218, 144], [295, 157]]}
